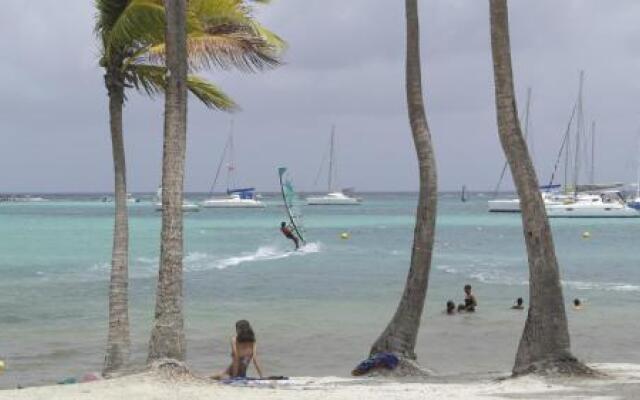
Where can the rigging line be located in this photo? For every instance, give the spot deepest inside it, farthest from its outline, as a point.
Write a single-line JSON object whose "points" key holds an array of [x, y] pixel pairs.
{"points": [[222, 157], [562, 146], [526, 134], [324, 159]]}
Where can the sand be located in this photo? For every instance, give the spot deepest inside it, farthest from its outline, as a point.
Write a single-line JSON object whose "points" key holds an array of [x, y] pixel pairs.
{"points": [[623, 382]]}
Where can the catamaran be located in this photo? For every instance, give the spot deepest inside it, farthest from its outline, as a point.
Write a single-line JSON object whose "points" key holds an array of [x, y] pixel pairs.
{"points": [[591, 200], [333, 197], [577, 201], [235, 198], [186, 206]]}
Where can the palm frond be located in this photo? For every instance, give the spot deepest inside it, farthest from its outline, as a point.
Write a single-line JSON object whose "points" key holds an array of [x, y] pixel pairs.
{"points": [[141, 22], [152, 80], [238, 50], [209, 94]]}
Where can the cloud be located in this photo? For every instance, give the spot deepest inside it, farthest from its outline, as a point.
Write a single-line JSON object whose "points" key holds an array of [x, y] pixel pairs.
{"points": [[345, 66]]}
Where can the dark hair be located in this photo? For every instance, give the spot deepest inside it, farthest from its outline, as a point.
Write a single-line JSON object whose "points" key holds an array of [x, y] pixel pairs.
{"points": [[283, 224], [467, 287], [576, 302], [451, 305], [244, 332], [519, 301]]}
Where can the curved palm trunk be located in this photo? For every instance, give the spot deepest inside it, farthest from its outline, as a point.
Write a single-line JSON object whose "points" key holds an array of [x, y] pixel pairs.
{"points": [[545, 341], [401, 333], [167, 336], [118, 339]]}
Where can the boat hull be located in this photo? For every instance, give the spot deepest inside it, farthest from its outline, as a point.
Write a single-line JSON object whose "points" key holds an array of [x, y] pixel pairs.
{"points": [[225, 203], [187, 207], [506, 206], [321, 201], [591, 211]]}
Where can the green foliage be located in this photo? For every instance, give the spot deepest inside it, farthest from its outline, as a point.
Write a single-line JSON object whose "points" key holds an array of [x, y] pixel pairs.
{"points": [[221, 33]]}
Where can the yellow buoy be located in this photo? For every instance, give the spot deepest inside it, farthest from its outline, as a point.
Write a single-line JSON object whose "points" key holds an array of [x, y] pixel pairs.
{"points": [[344, 235], [586, 235], [2, 367]]}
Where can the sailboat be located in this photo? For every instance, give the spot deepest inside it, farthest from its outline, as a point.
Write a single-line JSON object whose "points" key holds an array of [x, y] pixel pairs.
{"points": [[510, 205], [235, 198], [463, 194], [333, 197], [186, 206], [635, 202], [592, 200]]}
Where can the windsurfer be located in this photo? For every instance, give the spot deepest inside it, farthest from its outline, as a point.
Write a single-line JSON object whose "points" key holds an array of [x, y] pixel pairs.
{"points": [[288, 233]]}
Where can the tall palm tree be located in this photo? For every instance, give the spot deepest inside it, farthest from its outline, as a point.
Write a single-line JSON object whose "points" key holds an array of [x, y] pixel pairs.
{"points": [[401, 333], [223, 35], [167, 335], [131, 33], [545, 344]]}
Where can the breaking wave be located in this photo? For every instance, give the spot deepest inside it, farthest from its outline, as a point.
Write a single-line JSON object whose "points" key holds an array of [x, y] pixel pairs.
{"points": [[500, 277]]}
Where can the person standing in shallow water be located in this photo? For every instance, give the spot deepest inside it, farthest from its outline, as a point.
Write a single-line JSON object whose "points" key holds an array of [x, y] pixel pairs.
{"points": [[288, 233], [243, 351], [470, 302]]}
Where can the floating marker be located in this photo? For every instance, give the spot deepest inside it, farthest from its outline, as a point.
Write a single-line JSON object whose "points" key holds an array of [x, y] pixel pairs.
{"points": [[344, 235], [586, 235], [2, 367]]}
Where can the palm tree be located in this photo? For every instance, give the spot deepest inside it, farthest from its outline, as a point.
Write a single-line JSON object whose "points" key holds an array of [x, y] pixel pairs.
{"points": [[223, 35], [545, 344], [400, 335], [131, 36], [167, 336]]}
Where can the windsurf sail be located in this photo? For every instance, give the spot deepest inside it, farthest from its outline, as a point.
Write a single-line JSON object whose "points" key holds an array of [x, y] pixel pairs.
{"points": [[290, 199]]}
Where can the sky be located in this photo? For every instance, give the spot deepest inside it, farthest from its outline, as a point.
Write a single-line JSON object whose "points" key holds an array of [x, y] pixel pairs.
{"points": [[344, 66]]}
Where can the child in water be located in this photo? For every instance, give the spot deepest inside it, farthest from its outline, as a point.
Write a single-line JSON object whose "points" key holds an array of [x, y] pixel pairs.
{"points": [[243, 351], [451, 308], [577, 304]]}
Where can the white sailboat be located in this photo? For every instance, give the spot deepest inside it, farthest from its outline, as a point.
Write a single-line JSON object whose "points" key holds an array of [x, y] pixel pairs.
{"points": [[635, 202], [131, 199], [333, 197], [186, 206], [588, 201], [235, 198]]}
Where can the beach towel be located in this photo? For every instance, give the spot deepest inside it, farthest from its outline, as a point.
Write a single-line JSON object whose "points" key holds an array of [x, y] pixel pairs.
{"points": [[378, 360]]}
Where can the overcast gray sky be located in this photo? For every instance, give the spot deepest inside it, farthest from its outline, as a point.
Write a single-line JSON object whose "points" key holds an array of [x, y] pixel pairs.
{"points": [[344, 66]]}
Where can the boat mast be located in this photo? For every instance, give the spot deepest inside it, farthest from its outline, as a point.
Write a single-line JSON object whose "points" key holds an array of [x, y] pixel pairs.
{"points": [[593, 152], [526, 135], [638, 173], [526, 121], [231, 166], [222, 157], [579, 130], [331, 158]]}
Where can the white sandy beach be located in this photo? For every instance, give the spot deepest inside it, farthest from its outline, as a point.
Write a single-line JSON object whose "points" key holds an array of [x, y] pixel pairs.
{"points": [[623, 382]]}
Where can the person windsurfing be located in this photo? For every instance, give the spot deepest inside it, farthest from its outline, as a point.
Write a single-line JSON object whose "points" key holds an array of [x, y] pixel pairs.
{"points": [[288, 233]]}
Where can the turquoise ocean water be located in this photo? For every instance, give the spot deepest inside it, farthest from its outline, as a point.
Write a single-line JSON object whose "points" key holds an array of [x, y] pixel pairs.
{"points": [[315, 312]]}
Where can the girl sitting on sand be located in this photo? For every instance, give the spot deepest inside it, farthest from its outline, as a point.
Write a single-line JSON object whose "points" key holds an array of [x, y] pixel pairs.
{"points": [[243, 351]]}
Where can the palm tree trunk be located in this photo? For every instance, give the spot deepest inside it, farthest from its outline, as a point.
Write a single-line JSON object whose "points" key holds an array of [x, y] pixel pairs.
{"points": [[545, 341], [401, 333], [167, 336], [118, 339]]}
